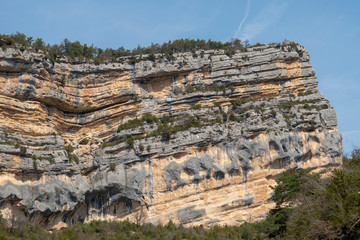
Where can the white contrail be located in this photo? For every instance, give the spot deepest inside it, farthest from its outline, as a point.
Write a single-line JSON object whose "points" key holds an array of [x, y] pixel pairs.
{"points": [[243, 20]]}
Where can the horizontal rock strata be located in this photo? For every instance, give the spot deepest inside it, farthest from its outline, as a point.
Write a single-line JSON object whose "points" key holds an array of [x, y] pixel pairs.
{"points": [[194, 139]]}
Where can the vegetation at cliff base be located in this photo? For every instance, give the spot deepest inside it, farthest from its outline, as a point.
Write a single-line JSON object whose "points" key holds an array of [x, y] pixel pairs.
{"points": [[308, 206]]}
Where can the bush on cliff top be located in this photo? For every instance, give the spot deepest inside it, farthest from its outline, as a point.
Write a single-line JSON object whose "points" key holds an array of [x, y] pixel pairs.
{"points": [[76, 50]]}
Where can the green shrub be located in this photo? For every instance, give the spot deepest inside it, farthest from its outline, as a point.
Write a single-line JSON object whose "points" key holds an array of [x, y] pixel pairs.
{"points": [[307, 106], [69, 148], [224, 117], [167, 119], [289, 185], [218, 120], [110, 144], [218, 105], [164, 130], [230, 52], [131, 124], [196, 107], [232, 89], [152, 57], [51, 159], [194, 55], [35, 164], [308, 92], [273, 113], [74, 158], [149, 118], [39, 44], [202, 53], [98, 61], [287, 105], [322, 107], [239, 102], [141, 147], [84, 141], [23, 150], [245, 58], [232, 117], [112, 166], [130, 142]]}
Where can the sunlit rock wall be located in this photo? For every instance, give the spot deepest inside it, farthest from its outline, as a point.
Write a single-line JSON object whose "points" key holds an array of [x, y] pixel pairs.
{"points": [[225, 129]]}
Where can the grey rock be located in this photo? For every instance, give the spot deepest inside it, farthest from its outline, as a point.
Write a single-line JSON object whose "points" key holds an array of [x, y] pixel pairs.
{"points": [[189, 214], [195, 165], [329, 117], [173, 171]]}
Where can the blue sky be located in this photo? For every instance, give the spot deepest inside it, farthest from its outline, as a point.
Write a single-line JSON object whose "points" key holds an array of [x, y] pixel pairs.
{"points": [[329, 29]]}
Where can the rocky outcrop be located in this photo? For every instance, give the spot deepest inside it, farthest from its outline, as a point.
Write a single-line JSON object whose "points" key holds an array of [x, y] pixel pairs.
{"points": [[198, 139]]}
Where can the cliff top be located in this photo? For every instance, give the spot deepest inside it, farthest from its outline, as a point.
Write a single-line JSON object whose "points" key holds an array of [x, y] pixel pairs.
{"points": [[75, 52]]}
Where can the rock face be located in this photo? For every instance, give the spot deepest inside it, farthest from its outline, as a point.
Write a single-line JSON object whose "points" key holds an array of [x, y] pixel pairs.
{"points": [[194, 139]]}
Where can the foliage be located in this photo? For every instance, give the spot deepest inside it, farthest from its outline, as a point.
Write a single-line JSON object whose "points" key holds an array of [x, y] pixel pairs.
{"points": [[131, 124], [307, 207], [69, 148], [39, 44], [286, 106], [109, 144], [239, 102], [232, 117], [112, 166], [34, 164], [308, 92], [273, 113], [72, 157], [331, 208], [149, 118], [205, 88], [290, 185], [224, 116], [23, 150], [196, 107], [84, 141], [146, 118], [165, 130], [76, 50]]}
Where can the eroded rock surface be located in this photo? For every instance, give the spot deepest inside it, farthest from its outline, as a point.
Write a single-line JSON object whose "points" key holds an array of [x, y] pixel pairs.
{"points": [[195, 140]]}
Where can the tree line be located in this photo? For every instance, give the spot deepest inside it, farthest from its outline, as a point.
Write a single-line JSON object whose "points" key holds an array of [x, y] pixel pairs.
{"points": [[76, 50]]}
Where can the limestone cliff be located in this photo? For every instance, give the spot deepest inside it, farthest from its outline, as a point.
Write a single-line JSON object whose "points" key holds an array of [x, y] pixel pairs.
{"points": [[197, 139]]}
